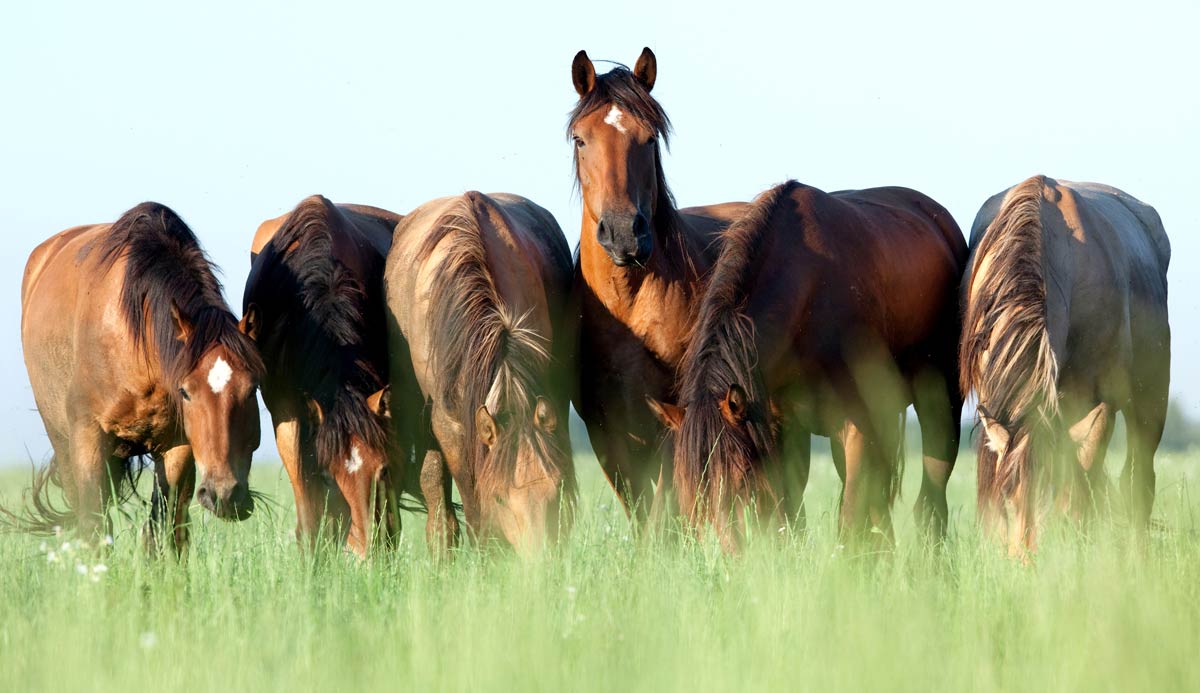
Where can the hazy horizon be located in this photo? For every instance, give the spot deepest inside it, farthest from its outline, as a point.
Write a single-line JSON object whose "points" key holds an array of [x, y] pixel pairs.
{"points": [[231, 114]]}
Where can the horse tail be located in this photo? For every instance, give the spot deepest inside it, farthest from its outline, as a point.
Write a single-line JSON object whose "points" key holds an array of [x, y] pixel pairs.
{"points": [[38, 513], [1005, 349]]}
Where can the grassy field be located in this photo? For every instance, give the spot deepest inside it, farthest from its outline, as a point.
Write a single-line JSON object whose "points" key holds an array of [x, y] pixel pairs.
{"points": [[608, 612]]}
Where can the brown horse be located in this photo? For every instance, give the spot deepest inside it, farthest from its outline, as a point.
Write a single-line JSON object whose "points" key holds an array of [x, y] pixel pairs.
{"points": [[478, 288], [641, 265], [313, 304], [1065, 325], [132, 351], [826, 313]]}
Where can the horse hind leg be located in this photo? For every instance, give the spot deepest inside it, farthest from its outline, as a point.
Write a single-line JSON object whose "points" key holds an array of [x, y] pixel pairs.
{"points": [[1144, 425], [939, 411], [865, 513]]}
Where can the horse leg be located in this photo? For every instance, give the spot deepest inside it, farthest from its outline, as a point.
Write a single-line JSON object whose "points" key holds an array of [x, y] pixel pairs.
{"points": [[174, 483], [939, 411], [1091, 447], [866, 496], [796, 444], [95, 472], [441, 527], [287, 441], [626, 470], [1144, 423]]}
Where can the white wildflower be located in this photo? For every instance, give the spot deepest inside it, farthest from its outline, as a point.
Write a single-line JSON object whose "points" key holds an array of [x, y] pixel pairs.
{"points": [[147, 640], [51, 556]]}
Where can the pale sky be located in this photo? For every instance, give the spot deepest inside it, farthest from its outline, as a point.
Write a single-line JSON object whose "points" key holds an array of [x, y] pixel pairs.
{"points": [[230, 113]]}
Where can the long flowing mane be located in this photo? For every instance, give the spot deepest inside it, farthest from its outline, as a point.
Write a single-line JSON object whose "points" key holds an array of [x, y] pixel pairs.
{"points": [[482, 352], [325, 311], [1005, 351], [619, 86], [722, 351], [165, 270]]}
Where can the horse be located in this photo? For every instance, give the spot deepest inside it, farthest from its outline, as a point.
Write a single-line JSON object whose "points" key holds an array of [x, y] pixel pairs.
{"points": [[826, 313], [641, 265], [313, 303], [1065, 324], [131, 351], [478, 295]]}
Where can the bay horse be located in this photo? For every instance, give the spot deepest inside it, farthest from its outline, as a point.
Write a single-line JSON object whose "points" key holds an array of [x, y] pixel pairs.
{"points": [[826, 313], [478, 294], [641, 267], [1065, 325], [314, 306], [131, 351]]}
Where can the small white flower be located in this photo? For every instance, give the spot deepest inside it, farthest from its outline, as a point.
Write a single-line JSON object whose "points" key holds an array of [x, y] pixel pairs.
{"points": [[99, 568], [81, 569], [66, 547], [108, 540], [42, 547], [571, 591], [57, 531], [147, 640], [51, 557]]}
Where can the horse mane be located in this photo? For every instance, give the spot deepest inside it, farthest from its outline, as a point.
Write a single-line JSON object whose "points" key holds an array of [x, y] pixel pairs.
{"points": [[165, 270], [1005, 352], [619, 86], [328, 319], [482, 352], [722, 350]]}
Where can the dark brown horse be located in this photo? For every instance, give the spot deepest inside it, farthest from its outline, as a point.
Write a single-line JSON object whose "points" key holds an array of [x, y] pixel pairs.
{"points": [[641, 265], [478, 288], [826, 313], [314, 305], [1065, 325], [131, 351]]}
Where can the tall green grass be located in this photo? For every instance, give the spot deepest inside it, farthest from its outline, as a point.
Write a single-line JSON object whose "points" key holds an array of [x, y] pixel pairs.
{"points": [[249, 612]]}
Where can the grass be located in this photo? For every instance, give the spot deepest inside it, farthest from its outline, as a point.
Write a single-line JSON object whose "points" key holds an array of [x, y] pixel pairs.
{"points": [[248, 612]]}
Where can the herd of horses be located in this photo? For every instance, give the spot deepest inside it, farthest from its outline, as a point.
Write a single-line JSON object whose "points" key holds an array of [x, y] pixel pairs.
{"points": [[401, 356]]}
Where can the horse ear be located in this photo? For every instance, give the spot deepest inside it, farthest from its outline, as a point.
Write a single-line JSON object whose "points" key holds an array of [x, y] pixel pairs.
{"points": [[996, 436], [646, 68], [544, 416], [183, 326], [1083, 428], [315, 411], [381, 402], [583, 74], [485, 427], [734, 404], [248, 325], [670, 415]]}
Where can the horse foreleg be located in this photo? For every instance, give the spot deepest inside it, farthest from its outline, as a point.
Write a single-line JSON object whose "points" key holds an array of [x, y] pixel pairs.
{"points": [[441, 528], [939, 410], [866, 495], [287, 441], [174, 483]]}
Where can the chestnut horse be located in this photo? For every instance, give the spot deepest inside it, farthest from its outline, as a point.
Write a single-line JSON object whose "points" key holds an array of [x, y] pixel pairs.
{"points": [[826, 313], [1065, 325], [641, 264], [478, 288], [132, 351], [314, 305]]}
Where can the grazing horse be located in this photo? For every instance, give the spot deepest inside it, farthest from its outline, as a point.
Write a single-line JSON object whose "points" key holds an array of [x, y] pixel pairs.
{"points": [[478, 288], [132, 351], [641, 265], [1065, 325], [314, 305], [826, 313]]}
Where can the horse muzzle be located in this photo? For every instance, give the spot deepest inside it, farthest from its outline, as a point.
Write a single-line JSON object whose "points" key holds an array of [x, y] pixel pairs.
{"points": [[228, 500]]}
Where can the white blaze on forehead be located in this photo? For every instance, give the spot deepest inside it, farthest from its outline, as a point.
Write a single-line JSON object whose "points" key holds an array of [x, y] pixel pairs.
{"points": [[614, 118], [354, 463], [219, 376]]}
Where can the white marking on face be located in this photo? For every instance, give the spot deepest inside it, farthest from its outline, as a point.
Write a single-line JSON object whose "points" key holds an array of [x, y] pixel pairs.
{"points": [[614, 118], [355, 462], [219, 376]]}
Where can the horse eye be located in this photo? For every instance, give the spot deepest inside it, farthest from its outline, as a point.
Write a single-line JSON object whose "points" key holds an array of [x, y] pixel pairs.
{"points": [[183, 393], [579, 144]]}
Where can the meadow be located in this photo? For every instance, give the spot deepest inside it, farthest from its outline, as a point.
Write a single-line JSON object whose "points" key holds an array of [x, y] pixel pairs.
{"points": [[610, 611]]}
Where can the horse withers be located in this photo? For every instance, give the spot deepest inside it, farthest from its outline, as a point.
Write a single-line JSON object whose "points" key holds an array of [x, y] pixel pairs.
{"points": [[478, 294], [1065, 324], [131, 351], [641, 270], [314, 305], [826, 313]]}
